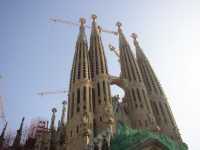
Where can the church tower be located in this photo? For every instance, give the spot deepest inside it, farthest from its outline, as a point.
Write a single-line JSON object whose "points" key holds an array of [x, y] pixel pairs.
{"points": [[136, 99], [2, 139], [101, 95], [52, 143], [16, 144], [159, 103], [80, 113]]}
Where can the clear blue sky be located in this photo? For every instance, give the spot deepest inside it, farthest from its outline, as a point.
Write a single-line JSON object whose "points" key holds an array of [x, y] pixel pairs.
{"points": [[37, 56]]}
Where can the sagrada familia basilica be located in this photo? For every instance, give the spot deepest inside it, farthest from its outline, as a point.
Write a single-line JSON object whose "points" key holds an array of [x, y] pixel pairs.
{"points": [[96, 120]]}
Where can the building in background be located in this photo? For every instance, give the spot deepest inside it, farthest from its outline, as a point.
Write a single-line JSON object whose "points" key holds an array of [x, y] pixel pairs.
{"points": [[37, 127]]}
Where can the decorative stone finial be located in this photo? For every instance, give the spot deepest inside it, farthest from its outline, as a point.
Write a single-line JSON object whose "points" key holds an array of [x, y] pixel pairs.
{"points": [[158, 128], [54, 110], [64, 102], [135, 42], [134, 36], [94, 17], [119, 24], [99, 28], [82, 21], [111, 47]]}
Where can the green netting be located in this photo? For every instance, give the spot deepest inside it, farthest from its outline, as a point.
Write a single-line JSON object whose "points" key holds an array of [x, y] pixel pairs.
{"points": [[127, 137]]}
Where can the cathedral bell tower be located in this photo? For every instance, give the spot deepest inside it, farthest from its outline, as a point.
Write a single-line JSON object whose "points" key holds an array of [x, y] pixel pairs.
{"points": [[136, 99], [80, 111], [101, 94], [159, 103], [16, 144]]}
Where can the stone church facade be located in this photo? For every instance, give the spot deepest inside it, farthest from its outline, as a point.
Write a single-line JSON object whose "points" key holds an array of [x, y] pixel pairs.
{"points": [[94, 117]]}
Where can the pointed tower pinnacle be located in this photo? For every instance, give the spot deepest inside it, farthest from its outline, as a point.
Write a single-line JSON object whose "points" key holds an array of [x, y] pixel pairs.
{"points": [[16, 143], [2, 136], [139, 109], [61, 125], [80, 111], [63, 113], [122, 38], [139, 51], [53, 117], [102, 101], [159, 103], [53, 130], [4, 130]]}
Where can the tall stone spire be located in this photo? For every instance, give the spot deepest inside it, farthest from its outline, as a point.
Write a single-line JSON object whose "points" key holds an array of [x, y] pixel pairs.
{"points": [[2, 135], [139, 108], [17, 140], [103, 111], [53, 117], [61, 128], [53, 130], [80, 112], [63, 113], [159, 103]]}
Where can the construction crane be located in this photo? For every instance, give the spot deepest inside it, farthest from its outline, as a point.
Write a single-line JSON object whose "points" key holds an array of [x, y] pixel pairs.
{"points": [[52, 92], [59, 20], [67, 22], [56, 19]]}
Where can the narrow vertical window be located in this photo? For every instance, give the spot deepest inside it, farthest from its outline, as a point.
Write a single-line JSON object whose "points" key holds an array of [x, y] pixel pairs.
{"points": [[79, 65], [78, 100], [71, 133], [72, 107], [93, 98], [104, 90], [138, 93], [98, 89], [146, 75], [132, 66], [109, 94], [95, 127], [78, 96], [146, 123], [90, 98], [101, 58], [105, 62], [164, 116], [97, 60], [77, 129], [84, 94], [140, 123], [74, 67], [91, 66], [145, 99], [152, 80], [101, 118], [84, 62], [133, 93], [156, 108], [169, 114], [127, 64]]}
